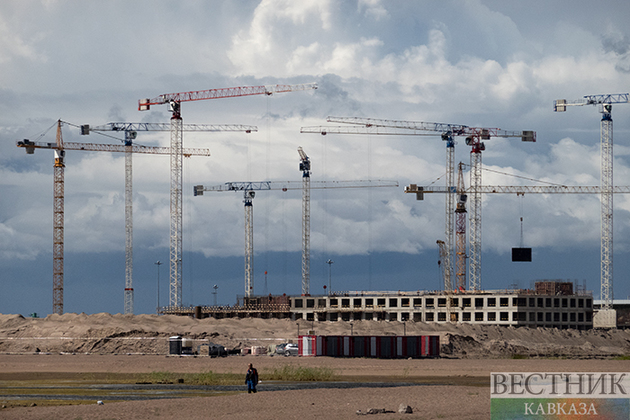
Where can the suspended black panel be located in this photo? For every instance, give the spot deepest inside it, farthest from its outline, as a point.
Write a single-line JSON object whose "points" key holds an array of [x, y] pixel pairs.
{"points": [[521, 255]]}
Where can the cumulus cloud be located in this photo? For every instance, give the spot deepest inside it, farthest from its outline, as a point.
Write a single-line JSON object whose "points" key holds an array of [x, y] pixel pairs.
{"points": [[618, 44], [13, 46], [262, 49], [373, 9], [479, 63]]}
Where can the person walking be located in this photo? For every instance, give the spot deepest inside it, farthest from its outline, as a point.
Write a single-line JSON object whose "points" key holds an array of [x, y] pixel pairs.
{"points": [[251, 379]]}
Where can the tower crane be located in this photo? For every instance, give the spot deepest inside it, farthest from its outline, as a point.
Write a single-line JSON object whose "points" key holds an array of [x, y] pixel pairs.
{"points": [[606, 316], [443, 254], [131, 131], [447, 133], [519, 190], [305, 167], [249, 192], [60, 147], [460, 230], [474, 139], [174, 101], [374, 126]]}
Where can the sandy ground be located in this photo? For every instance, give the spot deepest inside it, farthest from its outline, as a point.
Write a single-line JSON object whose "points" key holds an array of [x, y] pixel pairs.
{"points": [[104, 343], [375, 368], [428, 402]]}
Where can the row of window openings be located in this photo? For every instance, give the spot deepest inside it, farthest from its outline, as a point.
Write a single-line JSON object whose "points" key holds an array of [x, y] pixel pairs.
{"points": [[454, 302], [516, 316], [478, 316]]}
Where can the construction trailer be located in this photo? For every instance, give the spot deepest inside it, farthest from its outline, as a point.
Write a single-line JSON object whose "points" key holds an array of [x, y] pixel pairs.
{"points": [[375, 346]]}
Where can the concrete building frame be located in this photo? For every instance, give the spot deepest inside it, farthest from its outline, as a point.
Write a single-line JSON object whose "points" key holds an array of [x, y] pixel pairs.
{"points": [[516, 308]]}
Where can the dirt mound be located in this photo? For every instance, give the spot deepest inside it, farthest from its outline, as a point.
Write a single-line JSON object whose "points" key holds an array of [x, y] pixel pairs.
{"points": [[536, 342], [105, 333]]}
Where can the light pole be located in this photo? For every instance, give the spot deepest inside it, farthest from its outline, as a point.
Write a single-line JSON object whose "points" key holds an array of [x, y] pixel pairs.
{"points": [[158, 263], [215, 287], [330, 263]]}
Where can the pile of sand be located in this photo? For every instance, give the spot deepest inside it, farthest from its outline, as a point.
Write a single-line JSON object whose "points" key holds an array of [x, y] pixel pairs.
{"points": [[148, 334]]}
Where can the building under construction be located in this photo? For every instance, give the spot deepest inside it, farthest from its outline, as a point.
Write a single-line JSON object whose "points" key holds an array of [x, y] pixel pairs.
{"points": [[254, 306], [550, 304]]}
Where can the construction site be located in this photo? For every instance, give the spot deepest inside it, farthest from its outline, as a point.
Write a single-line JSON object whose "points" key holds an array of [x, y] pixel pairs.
{"points": [[550, 304]]}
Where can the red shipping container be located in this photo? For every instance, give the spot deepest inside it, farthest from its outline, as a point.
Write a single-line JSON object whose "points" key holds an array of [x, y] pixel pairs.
{"points": [[382, 347], [307, 345]]}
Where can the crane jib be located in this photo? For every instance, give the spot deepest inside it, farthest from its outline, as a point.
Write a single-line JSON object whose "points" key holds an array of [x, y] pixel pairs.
{"points": [[199, 95]]}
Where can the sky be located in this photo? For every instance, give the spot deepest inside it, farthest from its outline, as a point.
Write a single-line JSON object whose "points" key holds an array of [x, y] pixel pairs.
{"points": [[481, 63]]}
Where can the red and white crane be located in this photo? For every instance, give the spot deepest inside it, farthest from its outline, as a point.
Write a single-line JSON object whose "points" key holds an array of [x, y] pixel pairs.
{"points": [[474, 139], [174, 101], [375, 126]]}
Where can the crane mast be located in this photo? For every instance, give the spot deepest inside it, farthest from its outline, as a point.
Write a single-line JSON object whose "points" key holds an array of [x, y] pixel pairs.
{"points": [[475, 212], [606, 180], [58, 224], [249, 189], [443, 255], [449, 208], [305, 167], [60, 148], [607, 317], [460, 231], [128, 296], [249, 242], [176, 205], [174, 101]]}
